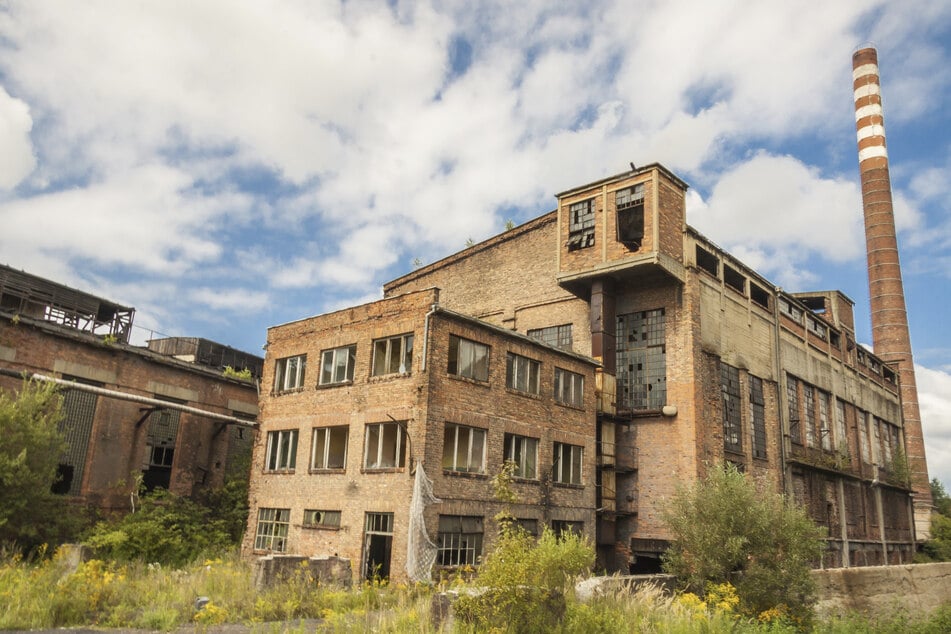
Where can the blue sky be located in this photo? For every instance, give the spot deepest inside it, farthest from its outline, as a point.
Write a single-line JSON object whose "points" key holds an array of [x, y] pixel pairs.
{"points": [[228, 165]]}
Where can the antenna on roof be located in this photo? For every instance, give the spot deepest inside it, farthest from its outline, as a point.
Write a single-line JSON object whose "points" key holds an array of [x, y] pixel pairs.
{"points": [[633, 169]]}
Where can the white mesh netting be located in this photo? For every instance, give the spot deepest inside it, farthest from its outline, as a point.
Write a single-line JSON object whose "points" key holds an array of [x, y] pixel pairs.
{"points": [[420, 550]]}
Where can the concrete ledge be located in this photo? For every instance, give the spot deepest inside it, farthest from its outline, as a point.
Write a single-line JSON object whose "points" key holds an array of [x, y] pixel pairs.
{"points": [[880, 590]]}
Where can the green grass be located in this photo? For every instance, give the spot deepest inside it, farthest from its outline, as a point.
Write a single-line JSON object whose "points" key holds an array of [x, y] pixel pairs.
{"points": [[43, 593]]}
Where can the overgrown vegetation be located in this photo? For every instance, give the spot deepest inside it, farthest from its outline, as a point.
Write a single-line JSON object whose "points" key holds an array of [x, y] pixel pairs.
{"points": [[938, 546], [727, 528], [244, 374], [31, 446]]}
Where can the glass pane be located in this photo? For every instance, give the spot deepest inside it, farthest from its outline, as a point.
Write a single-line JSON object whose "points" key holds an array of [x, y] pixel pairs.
{"points": [[394, 345], [407, 365], [327, 367], [337, 453], [373, 447], [379, 358], [320, 439], [388, 445], [480, 363], [478, 448], [449, 447]]}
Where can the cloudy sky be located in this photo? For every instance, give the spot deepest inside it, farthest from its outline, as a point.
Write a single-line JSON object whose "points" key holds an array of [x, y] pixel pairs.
{"points": [[226, 165]]}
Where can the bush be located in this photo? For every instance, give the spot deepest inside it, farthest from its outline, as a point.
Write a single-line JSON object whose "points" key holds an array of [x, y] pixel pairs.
{"points": [[728, 529]]}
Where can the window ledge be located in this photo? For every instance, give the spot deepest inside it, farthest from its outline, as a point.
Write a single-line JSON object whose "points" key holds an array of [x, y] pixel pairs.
{"points": [[465, 474], [578, 408], [532, 395], [293, 390], [279, 471], [522, 480], [383, 470], [324, 386], [465, 379], [382, 378], [332, 470], [566, 485], [315, 527]]}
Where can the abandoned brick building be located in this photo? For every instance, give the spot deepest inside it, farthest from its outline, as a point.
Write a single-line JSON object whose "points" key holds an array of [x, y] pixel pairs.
{"points": [[166, 413], [682, 355]]}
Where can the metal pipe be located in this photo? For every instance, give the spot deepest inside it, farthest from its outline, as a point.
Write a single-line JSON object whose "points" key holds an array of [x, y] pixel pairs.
{"points": [[124, 396]]}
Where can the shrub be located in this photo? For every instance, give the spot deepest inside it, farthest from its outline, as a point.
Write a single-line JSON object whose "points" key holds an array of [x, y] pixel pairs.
{"points": [[727, 528]]}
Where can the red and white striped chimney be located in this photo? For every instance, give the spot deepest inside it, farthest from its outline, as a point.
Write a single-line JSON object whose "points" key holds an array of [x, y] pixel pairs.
{"points": [[890, 336]]}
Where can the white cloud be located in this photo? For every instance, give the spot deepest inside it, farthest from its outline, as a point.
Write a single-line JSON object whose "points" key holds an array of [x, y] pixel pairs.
{"points": [[789, 216], [16, 150], [934, 400]]}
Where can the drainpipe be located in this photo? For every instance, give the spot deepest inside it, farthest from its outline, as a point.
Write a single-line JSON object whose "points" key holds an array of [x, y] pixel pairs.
{"points": [[780, 386], [432, 311]]}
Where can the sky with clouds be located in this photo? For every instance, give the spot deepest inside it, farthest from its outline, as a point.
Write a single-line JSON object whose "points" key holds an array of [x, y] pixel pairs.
{"points": [[227, 165]]}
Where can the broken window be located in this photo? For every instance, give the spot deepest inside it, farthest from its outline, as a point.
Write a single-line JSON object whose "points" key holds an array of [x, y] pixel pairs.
{"points": [[642, 360], [569, 388], [730, 394], [629, 204], [809, 413], [160, 445], [792, 311], [554, 336], [393, 355], [385, 446], [825, 430], [79, 410], [566, 463], [463, 449], [841, 440], [581, 225], [377, 545], [321, 519], [281, 450], [289, 373], [818, 328], [329, 447], [757, 417], [566, 527], [468, 358], [523, 451], [862, 424], [792, 398], [759, 295], [272, 528], [734, 279], [708, 262], [336, 365], [460, 540], [521, 373]]}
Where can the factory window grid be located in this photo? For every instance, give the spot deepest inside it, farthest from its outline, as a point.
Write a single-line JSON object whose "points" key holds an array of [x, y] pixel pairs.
{"points": [[809, 413], [841, 439], [581, 225], [281, 450], [271, 534], [757, 417], [792, 398], [393, 355], [329, 448], [385, 446], [79, 411], [336, 365], [569, 388], [522, 373], [314, 518], [566, 527], [730, 393], [864, 445], [567, 463], [468, 359], [554, 336], [523, 452], [642, 359], [289, 373], [792, 311], [629, 206], [459, 540], [825, 428], [463, 449]]}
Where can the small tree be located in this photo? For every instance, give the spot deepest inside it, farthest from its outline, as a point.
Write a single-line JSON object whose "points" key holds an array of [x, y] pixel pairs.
{"points": [[31, 447], [728, 529]]}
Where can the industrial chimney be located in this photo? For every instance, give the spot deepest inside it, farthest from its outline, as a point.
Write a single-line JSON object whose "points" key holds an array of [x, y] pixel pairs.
{"points": [[890, 336]]}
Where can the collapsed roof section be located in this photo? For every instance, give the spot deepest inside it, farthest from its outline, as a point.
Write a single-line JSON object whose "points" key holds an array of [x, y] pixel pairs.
{"points": [[29, 295]]}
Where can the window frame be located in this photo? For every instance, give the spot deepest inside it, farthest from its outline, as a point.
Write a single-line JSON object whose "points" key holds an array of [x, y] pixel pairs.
{"points": [[517, 367], [581, 223], [318, 518], [757, 417], [405, 355], [285, 382], [272, 526], [569, 393], [328, 371], [281, 455], [462, 547], [574, 475], [472, 367], [399, 453], [559, 336], [327, 442], [629, 209], [521, 450], [732, 418], [455, 465]]}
